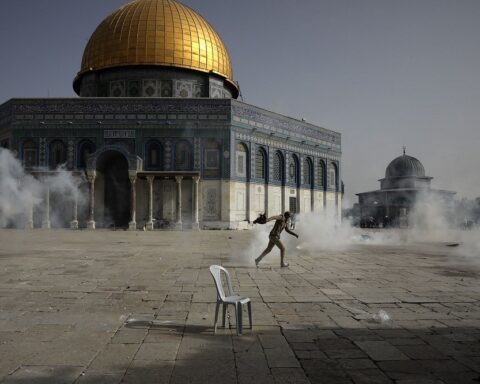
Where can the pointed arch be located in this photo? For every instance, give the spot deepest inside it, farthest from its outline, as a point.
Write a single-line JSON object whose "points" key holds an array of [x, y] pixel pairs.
{"points": [[85, 148], [278, 167], [321, 169], [154, 155], [56, 154], [308, 172], [261, 164], [294, 170], [333, 176], [183, 156], [241, 158]]}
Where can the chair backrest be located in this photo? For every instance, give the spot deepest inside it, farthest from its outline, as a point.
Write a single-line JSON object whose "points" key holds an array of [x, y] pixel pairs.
{"points": [[216, 271]]}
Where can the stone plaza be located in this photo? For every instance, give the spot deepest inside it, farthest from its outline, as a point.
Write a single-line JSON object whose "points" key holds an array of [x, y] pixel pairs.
{"points": [[138, 307]]}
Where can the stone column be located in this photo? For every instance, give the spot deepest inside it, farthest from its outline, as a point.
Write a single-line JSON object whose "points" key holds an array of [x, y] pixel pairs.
{"points": [[46, 222], [29, 224], [195, 223], [150, 180], [132, 226], [74, 222], [91, 175], [178, 224]]}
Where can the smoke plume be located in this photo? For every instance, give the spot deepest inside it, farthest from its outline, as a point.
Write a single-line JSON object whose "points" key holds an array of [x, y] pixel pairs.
{"points": [[21, 193], [432, 220]]}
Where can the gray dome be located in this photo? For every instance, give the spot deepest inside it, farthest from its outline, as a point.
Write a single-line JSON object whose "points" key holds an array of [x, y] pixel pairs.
{"points": [[405, 166]]}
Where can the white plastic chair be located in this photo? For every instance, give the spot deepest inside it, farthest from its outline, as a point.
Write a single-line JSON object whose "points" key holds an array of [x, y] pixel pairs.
{"points": [[229, 298]]}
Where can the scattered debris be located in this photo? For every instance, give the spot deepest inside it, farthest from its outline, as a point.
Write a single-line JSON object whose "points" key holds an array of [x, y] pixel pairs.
{"points": [[452, 244]]}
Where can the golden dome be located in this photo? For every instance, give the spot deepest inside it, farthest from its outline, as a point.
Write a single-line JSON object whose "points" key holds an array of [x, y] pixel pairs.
{"points": [[157, 32]]}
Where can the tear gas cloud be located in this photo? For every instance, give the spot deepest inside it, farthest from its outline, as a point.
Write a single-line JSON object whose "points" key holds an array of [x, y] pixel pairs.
{"points": [[430, 221], [20, 193]]}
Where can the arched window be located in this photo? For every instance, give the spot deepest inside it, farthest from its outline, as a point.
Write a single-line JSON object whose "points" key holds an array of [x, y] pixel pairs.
{"points": [[293, 170], [307, 171], [211, 158], [57, 154], [183, 156], [260, 160], [154, 155], [241, 158], [29, 154], [278, 167], [85, 149], [321, 173], [332, 176]]}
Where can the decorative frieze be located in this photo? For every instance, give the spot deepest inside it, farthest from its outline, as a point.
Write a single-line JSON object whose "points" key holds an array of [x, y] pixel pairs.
{"points": [[265, 119], [112, 106], [278, 144]]}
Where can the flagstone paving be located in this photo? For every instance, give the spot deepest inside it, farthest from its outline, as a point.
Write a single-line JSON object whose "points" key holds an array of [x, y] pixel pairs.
{"points": [[137, 307]]}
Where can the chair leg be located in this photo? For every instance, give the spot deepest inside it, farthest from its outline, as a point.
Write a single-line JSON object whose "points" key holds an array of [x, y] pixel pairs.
{"points": [[217, 307], [224, 314], [239, 313], [249, 306]]}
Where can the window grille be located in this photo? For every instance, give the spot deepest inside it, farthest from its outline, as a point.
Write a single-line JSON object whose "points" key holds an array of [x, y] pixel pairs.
{"points": [[57, 154], [307, 172], [321, 173], [260, 164], [241, 160], [277, 167], [183, 156], [293, 169], [332, 175]]}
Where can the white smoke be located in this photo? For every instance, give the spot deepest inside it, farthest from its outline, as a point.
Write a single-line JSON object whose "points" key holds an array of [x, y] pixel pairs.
{"points": [[437, 220], [324, 231], [432, 220], [319, 231], [20, 193]]}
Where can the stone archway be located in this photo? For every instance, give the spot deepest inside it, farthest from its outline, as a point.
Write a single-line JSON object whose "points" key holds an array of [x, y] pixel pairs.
{"points": [[114, 187], [111, 173]]}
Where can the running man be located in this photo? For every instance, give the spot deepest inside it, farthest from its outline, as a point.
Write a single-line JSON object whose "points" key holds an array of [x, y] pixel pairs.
{"points": [[281, 223]]}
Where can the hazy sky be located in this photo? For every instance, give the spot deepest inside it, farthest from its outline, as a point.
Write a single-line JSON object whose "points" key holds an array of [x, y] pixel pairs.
{"points": [[384, 73]]}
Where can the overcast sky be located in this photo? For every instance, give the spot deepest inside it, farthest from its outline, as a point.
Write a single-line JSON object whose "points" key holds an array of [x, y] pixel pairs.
{"points": [[383, 73]]}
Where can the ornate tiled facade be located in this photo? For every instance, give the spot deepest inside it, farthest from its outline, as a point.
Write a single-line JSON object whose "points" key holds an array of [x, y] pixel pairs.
{"points": [[211, 129], [160, 137]]}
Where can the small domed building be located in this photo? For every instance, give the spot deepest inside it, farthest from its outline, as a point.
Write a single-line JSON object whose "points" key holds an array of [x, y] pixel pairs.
{"points": [[161, 137], [404, 183]]}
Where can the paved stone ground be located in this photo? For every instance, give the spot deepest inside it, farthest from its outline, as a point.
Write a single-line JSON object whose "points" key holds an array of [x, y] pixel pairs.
{"points": [[65, 298]]}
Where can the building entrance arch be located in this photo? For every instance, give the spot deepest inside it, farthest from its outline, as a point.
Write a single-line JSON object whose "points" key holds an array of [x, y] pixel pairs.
{"points": [[113, 184]]}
